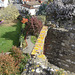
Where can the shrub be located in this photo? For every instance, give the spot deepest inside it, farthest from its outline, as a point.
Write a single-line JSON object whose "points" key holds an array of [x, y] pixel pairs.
{"points": [[19, 17], [60, 72], [19, 57], [42, 10], [42, 18], [28, 16], [34, 26], [7, 65], [17, 54], [23, 62], [9, 13]]}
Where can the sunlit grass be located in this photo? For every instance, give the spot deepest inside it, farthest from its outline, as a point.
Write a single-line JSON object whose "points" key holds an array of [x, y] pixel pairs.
{"points": [[33, 39], [9, 36]]}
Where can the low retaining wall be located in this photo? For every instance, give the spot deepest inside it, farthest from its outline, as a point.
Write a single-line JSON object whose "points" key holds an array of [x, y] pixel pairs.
{"points": [[39, 45]]}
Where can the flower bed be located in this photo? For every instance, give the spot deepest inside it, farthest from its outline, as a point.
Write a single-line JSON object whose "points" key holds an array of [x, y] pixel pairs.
{"points": [[1, 21], [30, 25], [22, 39]]}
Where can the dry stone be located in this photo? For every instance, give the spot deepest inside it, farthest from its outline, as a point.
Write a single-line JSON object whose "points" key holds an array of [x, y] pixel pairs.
{"points": [[60, 48]]}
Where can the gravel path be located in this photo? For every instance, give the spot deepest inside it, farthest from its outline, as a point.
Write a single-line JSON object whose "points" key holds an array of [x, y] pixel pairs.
{"points": [[30, 46]]}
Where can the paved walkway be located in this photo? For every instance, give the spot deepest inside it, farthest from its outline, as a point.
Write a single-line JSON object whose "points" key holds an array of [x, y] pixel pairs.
{"points": [[30, 46]]}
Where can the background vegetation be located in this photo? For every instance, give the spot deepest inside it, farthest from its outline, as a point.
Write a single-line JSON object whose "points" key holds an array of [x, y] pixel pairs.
{"points": [[9, 13], [33, 39]]}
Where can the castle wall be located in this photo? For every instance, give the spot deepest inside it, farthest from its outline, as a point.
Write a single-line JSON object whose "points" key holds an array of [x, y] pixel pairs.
{"points": [[60, 48]]}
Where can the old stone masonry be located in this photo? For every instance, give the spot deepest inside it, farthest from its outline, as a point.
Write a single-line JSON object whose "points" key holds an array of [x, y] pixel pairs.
{"points": [[57, 42], [60, 40], [38, 64]]}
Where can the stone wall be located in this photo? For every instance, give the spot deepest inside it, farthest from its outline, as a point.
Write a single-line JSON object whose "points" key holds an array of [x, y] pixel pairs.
{"points": [[60, 48], [38, 63], [60, 41]]}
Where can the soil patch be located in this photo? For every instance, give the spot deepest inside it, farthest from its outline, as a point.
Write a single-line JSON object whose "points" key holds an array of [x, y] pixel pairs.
{"points": [[9, 22]]}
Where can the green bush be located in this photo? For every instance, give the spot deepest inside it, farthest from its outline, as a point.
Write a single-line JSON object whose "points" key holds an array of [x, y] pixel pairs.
{"points": [[60, 72], [23, 62], [42, 18], [19, 17], [9, 13], [51, 0], [42, 10]]}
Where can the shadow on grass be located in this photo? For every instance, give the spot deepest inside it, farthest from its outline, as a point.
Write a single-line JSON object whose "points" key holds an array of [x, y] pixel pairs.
{"points": [[14, 35]]}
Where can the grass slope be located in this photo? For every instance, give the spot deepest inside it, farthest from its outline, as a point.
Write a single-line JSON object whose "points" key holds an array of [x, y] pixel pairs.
{"points": [[9, 36], [33, 39]]}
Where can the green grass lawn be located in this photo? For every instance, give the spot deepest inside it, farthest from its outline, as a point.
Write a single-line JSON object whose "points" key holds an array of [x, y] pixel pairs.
{"points": [[9, 36], [33, 39]]}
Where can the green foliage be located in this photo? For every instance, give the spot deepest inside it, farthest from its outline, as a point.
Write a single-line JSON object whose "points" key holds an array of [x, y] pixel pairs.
{"points": [[28, 56], [60, 72], [51, 0], [42, 18], [28, 16], [42, 10], [33, 39], [23, 26], [7, 65], [21, 39], [9, 13], [19, 57], [23, 62], [20, 17]]}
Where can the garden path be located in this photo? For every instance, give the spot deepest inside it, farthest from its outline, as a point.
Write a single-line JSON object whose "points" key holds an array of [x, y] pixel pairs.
{"points": [[30, 46]]}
